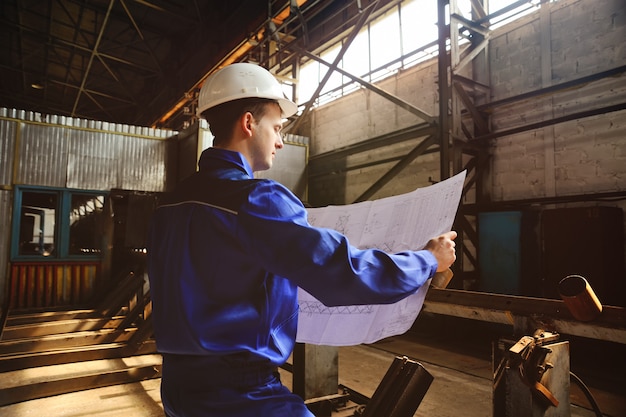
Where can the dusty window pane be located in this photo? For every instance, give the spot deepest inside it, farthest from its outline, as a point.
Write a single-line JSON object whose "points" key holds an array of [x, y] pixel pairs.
{"points": [[37, 224], [86, 217], [419, 24], [385, 40]]}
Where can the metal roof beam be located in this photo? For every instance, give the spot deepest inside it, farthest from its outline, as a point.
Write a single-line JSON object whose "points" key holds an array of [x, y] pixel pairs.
{"points": [[93, 54]]}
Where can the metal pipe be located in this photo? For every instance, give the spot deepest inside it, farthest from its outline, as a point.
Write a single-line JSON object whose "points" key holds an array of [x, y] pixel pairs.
{"points": [[580, 298], [509, 310]]}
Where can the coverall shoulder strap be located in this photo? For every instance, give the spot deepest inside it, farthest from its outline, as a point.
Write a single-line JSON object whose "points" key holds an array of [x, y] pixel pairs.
{"points": [[225, 193]]}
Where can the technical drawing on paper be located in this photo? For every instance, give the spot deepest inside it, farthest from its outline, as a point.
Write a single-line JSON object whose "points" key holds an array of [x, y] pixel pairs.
{"points": [[391, 224], [315, 307]]}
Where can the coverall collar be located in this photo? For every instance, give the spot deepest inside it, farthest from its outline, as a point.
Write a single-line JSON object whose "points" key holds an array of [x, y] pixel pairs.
{"points": [[213, 158]]}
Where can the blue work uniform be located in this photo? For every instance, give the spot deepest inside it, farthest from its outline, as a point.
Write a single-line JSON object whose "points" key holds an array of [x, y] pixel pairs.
{"points": [[226, 253]]}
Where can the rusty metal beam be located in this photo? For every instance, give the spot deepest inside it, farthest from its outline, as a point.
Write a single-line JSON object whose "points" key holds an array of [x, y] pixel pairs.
{"points": [[555, 88], [364, 16], [548, 314], [398, 136], [420, 149], [93, 55], [431, 120], [445, 92], [553, 121], [333, 162], [478, 119]]}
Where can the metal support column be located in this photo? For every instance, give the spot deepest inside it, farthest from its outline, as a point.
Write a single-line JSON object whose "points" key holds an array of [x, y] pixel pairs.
{"points": [[445, 94], [315, 371]]}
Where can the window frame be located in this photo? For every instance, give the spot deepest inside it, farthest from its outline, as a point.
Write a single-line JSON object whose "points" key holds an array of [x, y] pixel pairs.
{"points": [[411, 53], [61, 226]]}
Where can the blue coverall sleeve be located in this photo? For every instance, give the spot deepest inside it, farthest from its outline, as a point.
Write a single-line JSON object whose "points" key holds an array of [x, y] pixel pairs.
{"points": [[273, 226]]}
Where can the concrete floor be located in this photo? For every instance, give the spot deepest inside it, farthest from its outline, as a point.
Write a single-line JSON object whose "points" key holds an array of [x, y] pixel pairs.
{"points": [[461, 387]]}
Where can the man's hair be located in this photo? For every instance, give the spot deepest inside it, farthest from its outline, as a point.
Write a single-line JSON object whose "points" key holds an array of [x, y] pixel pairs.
{"points": [[222, 118]]}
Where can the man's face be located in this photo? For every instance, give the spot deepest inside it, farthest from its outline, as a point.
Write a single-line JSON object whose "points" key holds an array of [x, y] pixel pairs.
{"points": [[266, 138]]}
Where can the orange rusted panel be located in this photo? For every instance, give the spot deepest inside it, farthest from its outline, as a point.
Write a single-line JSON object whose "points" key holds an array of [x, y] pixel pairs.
{"points": [[51, 284], [59, 276], [49, 287]]}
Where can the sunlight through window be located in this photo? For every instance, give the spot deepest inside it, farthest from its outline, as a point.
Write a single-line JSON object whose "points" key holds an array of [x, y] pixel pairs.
{"points": [[404, 36]]}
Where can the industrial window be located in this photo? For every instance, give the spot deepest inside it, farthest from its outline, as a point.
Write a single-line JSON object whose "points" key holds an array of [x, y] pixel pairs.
{"points": [[37, 228], [57, 224], [86, 224], [402, 37]]}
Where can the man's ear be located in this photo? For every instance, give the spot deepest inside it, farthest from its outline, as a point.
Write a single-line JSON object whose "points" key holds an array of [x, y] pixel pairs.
{"points": [[245, 123]]}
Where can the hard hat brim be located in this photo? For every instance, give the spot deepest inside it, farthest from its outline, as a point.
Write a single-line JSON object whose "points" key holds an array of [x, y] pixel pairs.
{"points": [[243, 80], [287, 107]]}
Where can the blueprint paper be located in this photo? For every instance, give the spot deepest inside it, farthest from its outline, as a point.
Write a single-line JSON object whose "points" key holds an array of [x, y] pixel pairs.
{"points": [[392, 224]]}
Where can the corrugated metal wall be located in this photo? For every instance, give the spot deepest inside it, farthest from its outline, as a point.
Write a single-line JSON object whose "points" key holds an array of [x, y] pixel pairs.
{"points": [[41, 155], [7, 140], [8, 132], [6, 204], [64, 152], [83, 154], [141, 164]]}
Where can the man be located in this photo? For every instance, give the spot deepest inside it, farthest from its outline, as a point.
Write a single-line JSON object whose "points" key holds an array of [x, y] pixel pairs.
{"points": [[226, 254]]}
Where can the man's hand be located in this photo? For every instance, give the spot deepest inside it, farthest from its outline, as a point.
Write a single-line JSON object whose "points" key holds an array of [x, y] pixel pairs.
{"points": [[442, 247]]}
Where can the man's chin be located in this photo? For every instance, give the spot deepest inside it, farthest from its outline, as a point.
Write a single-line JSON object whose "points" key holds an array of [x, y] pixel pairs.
{"points": [[265, 167]]}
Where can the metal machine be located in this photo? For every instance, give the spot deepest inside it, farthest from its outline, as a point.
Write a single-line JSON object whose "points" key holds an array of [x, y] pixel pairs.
{"points": [[532, 376]]}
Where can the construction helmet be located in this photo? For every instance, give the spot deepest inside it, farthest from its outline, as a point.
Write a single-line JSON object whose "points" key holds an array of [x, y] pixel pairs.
{"points": [[242, 80]]}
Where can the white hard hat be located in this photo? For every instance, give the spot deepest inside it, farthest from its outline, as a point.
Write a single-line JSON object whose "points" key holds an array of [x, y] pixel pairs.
{"points": [[242, 80]]}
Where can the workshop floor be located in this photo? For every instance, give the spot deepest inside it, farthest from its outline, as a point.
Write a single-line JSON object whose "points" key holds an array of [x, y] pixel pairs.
{"points": [[460, 364]]}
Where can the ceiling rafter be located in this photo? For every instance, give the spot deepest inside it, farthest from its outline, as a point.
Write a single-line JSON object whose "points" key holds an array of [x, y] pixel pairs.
{"points": [[94, 52], [132, 61]]}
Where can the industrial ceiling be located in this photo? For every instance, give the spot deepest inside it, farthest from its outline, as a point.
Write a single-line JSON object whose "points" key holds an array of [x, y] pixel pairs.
{"points": [[134, 61]]}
